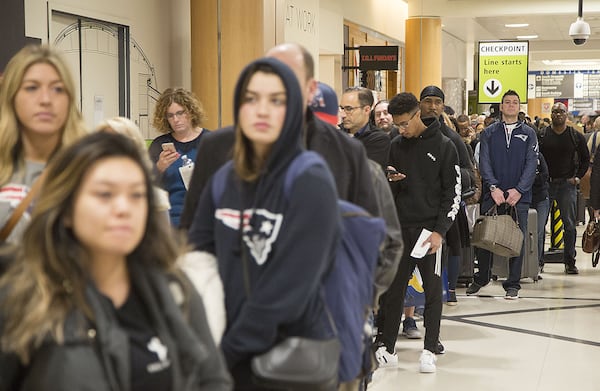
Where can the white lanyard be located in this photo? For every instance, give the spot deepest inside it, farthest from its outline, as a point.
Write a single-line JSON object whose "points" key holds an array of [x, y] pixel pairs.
{"points": [[508, 133]]}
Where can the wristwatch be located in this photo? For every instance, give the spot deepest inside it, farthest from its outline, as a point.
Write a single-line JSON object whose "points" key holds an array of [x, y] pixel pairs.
{"points": [[577, 180], [492, 188]]}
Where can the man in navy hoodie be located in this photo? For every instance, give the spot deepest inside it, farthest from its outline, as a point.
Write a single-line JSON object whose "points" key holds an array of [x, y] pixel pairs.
{"points": [[507, 161]]}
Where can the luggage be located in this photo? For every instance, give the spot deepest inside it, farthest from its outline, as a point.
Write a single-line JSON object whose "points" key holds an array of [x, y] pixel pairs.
{"points": [[580, 218], [467, 266], [530, 257]]}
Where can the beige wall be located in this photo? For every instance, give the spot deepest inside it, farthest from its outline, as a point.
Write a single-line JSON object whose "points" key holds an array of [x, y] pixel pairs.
{"points": [[164, 31]]}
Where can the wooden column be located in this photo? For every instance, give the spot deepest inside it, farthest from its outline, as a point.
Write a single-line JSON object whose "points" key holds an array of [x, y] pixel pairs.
{"points": [[226, 35], [423, 53]]}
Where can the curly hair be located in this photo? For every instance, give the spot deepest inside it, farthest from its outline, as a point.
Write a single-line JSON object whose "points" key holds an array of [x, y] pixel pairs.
{"points": [[185, 99]]}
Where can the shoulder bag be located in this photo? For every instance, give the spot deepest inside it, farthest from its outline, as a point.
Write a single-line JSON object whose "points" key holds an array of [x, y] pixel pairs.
{"points": [[590, 240], [499, 234], [21, 208]]}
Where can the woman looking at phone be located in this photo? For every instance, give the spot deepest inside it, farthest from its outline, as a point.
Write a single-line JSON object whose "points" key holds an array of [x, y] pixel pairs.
{"points": [[179, 116]]}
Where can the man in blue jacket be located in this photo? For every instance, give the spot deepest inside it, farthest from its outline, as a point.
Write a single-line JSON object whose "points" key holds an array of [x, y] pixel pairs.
{"points": [[507, 162]]}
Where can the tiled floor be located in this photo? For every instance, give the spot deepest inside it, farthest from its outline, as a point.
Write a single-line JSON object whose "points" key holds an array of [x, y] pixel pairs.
{"points": [[547, 340]]}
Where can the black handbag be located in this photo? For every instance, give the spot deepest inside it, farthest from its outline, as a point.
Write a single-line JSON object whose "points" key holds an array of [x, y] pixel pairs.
{"points": [[296, 363]]}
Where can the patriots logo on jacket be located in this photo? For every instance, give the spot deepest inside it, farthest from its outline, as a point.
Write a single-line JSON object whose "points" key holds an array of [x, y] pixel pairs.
{"points": [[261, 235], [521, 136]]}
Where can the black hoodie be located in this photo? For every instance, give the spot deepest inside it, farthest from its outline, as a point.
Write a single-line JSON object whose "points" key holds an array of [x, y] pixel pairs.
{"points": [[429, 196], [289, 241]]}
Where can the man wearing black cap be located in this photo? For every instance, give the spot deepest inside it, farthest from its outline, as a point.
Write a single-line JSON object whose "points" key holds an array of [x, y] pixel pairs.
{"points": [[432, 105]]}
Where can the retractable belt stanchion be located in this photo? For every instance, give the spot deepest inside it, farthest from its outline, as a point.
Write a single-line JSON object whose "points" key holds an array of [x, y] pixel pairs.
{"points": [[554, 254]]}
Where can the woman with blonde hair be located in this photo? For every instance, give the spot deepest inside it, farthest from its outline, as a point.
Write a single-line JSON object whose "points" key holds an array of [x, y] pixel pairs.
{"points": [[94, 300], [179, 115], [38, 116]]}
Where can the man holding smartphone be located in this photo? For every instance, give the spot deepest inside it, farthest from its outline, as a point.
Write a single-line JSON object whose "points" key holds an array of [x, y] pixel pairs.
{"points": [[426, 191]]}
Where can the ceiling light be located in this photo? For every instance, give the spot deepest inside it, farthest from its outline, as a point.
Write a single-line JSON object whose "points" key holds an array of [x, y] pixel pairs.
{"points": [[527, 36], [516, 25]]}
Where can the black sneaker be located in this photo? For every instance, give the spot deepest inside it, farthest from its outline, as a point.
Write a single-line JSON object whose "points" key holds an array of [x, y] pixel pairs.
{"points": [[512, 294], [571, 269], [439, 348], [452, 298], [473, 288]]}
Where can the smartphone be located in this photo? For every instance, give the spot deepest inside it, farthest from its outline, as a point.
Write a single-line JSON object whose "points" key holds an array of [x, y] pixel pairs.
{"points": [[169, 147], [389, 171]]}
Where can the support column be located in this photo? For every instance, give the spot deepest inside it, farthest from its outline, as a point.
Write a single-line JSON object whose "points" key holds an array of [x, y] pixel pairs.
{"points": [[226, 35], [423, 53]]}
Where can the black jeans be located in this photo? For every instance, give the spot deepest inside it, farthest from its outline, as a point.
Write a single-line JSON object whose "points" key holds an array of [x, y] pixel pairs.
{"points": [[392, 301]]}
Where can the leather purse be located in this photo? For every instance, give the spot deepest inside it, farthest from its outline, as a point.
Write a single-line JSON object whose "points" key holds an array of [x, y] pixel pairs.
{"points": [[590, 240], [299, 363], [499, 234]]}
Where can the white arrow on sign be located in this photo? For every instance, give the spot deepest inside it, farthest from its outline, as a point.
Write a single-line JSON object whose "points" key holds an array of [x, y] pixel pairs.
{"points": [[492, 88]]}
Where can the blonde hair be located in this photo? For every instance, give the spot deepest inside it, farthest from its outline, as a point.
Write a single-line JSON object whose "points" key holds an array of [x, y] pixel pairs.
{"points": [[11, 151], [127, 128], [48, 279], [183, 98]]}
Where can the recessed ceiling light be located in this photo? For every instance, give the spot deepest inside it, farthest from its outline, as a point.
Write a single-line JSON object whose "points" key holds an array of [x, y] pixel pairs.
{"points": [[516, 25], [527, 36]]}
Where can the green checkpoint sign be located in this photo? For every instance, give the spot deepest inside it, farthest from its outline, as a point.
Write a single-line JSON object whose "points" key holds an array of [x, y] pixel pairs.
{"points": [[503, 66]]}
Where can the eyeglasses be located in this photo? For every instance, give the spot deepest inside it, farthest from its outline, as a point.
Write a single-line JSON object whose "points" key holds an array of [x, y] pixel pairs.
{"points": [[349, 109], [404, 124], [178, 114]]}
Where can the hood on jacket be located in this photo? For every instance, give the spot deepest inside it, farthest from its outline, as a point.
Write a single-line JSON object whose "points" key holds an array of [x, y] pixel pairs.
{"points": [[289, 143]]}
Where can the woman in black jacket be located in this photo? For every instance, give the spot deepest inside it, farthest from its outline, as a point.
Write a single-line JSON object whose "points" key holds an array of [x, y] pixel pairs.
{"points": [[93, 301]]}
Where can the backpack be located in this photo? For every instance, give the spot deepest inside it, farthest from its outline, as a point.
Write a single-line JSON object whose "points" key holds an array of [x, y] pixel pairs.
{"points": [[348, 286]]}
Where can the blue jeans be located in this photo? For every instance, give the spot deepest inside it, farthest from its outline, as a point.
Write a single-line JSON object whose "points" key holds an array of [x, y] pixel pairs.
{"points": [[484, 257], [543, 209], [565, 195]]}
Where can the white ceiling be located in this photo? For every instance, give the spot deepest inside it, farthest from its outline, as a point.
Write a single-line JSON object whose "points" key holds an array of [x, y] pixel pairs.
{"points": [[477, 20]]}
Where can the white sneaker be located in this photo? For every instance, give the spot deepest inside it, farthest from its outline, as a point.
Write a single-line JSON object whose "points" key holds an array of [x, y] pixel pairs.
{"points": [[385, 358], [427, 361]]}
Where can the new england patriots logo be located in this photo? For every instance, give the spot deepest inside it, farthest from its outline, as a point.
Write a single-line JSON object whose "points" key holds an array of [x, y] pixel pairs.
{"points": [[260, 237]]}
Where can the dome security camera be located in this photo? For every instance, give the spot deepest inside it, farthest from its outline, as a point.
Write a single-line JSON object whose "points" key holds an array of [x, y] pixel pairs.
{"points": [[579, 31]]}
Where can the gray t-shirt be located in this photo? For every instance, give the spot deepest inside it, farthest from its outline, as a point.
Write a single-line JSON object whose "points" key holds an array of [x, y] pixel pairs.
{"points": [[13, 192]]}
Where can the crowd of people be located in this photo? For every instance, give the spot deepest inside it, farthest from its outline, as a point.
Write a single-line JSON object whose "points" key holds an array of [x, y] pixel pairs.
{"points": [[108, 246]]}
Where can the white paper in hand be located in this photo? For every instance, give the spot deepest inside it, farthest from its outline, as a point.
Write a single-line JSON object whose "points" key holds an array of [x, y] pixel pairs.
{"points": [[419, 251]]}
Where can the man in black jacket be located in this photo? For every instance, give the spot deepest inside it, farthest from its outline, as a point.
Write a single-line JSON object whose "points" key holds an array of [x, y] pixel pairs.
{"points": [[346, 158], [425, 186], [432, 105], [355, 110]]}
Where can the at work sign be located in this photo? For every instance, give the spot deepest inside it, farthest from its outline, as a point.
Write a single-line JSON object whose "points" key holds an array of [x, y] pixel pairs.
{"points": [[503, 66]]}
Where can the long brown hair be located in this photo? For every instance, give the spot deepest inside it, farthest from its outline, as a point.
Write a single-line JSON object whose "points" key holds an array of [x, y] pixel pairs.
{"points": [[247, 164], [11, 151], [51, 270]]}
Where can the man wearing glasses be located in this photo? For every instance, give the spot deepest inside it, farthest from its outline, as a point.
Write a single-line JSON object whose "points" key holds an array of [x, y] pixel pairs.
{"points": [[568, 158], [355, 110], [424, 177]]}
